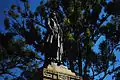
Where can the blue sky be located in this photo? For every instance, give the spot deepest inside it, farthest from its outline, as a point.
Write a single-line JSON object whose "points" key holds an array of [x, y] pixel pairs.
{"points": [[5, 4]]}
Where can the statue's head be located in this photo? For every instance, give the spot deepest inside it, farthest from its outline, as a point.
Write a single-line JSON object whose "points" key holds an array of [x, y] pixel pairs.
{"points": [[52, 15]]}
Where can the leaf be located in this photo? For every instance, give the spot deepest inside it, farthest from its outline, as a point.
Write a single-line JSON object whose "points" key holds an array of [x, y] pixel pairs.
{"points": [[18, 9], [112, 57], [13, 6], [2, 56], [66, 20], [27, 6], [69, 36], [91, 43], [6, 22], [98, 1], [36, 13], [5, 11], [29, 64], [12, 13], [97, 8], [88, 32], [17, 16]]}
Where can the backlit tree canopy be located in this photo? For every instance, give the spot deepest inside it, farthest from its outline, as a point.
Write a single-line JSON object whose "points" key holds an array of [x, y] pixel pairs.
{"points": [[82, 23]]}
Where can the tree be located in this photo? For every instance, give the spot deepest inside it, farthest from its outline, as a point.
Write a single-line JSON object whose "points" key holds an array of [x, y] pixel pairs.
{"points": [[81, 26]]}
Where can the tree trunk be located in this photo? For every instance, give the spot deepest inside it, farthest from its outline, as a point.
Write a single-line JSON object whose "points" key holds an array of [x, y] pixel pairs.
{"points": [[80, 65], [71, 66], [46, 62], [79, 59]]}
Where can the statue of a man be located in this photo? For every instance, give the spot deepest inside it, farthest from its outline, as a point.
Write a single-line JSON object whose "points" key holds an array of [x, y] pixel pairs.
{"points": [[55, 38]]}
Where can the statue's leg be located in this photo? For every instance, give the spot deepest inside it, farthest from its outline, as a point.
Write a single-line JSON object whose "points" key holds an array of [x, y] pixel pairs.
{"points": [[57, 54], [61, 51], [58, 47], [48, 38], [51, 39]]}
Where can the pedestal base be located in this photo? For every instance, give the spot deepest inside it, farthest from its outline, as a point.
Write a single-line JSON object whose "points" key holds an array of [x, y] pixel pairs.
{"points": [[54, 72]]}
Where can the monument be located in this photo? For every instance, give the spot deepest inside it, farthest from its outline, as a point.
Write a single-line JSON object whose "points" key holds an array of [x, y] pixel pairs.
{"points": [[55, 39], [54, 72]]}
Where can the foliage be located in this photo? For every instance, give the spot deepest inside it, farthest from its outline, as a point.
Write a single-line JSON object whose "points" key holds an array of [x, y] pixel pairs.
{"points": [[81, 25]]}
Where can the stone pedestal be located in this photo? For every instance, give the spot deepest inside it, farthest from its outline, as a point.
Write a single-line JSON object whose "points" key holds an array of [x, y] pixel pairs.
{"points": [[59, 73]]}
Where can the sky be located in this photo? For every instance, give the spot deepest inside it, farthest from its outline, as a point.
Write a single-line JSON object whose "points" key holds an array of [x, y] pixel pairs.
{"points": [[5, 4]]}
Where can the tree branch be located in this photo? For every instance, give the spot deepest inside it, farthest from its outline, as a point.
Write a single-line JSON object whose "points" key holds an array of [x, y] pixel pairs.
{"points": [[39, 23], [103, 20], [110, 72]]}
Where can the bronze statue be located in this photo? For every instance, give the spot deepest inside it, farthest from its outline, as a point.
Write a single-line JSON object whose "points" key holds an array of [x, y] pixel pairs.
{"points": [[54, 38]]}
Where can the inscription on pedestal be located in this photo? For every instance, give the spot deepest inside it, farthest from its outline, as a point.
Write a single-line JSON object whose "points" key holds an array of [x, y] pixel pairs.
{"points": [[53, 75]]}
